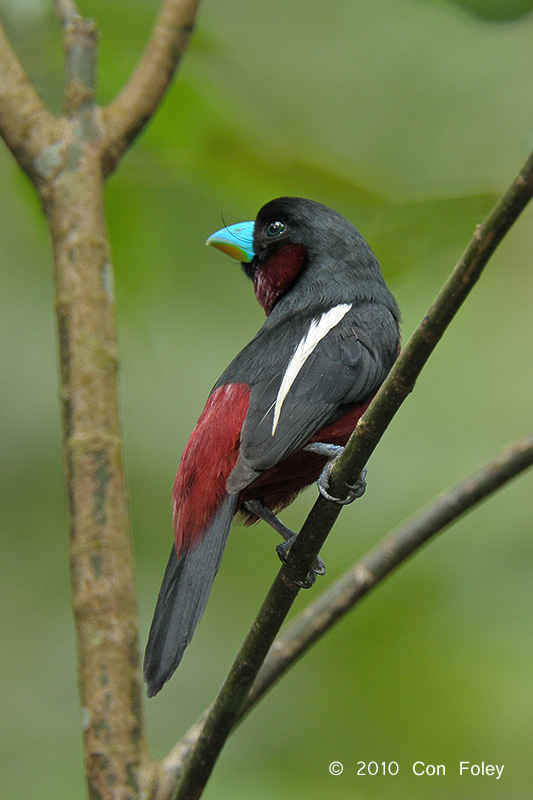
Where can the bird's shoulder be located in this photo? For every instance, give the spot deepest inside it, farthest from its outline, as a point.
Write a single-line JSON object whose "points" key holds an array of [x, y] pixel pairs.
{"points": [[341, 332]]}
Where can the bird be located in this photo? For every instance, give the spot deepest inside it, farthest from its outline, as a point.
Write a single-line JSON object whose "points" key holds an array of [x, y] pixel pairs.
{"points": [[284, 408]]}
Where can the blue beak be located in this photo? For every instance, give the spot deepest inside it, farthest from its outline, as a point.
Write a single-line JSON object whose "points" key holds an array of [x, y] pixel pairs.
{"points": [[236, 241]]}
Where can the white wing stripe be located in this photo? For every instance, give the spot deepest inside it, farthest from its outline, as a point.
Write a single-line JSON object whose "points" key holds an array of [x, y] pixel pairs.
{"points": [[317, 330]]}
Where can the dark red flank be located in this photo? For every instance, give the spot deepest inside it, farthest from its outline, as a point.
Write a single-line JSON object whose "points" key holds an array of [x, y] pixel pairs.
{"points": [[329, 340]]}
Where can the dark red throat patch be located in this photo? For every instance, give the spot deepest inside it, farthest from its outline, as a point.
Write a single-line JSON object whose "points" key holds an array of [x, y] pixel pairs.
{"points": [[274, 277]]}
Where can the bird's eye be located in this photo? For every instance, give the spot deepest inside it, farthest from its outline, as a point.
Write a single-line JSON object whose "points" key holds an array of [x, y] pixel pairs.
{"points": [[275, 228]]}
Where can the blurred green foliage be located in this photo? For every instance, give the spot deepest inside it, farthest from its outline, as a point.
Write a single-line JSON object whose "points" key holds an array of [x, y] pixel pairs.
{"points": [[410, 118], [497, 9]]}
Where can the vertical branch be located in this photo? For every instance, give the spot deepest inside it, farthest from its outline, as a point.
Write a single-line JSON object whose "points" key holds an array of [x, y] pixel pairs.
{"points": [[103, 589], [67, 159], [81, 37], [63, 159], [102, 575]]}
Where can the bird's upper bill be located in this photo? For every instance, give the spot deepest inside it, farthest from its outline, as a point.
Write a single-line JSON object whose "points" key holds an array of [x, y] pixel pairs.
{"points": [[235, 240]]}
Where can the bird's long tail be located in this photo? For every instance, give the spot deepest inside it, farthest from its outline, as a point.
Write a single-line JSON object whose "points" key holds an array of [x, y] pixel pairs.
{"points": [[183, 597]]}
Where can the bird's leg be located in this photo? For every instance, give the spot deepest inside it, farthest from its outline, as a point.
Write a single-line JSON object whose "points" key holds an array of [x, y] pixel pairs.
{"points": [[332, 452], [261, 510]]}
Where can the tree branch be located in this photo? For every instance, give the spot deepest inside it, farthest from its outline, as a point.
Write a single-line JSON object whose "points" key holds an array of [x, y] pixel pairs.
{"points": [[228, 706], [80, 38], [378, 563], [127, 115], [332, 604], [101, 560], [63, 158], [26, 125], [66, 160], [402, 378], [102, 577], [67, 10]]}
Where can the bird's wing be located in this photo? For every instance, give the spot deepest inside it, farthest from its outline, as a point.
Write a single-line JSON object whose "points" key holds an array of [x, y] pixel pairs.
{"points": [[296, 392]]}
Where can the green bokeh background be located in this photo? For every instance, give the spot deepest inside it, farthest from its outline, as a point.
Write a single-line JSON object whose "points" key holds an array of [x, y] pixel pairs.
{"points": [[409, 117]]}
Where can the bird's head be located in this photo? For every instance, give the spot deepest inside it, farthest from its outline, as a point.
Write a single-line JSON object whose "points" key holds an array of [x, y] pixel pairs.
{"points": [[298, 242]]}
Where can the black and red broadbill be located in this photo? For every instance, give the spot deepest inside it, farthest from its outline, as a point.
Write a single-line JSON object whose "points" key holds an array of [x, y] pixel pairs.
{"points": [[329, 340]]}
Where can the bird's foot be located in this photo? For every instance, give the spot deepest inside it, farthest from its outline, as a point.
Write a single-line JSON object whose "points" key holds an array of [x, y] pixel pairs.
{"points": [[319, 568], [333, 452], [261, 510]]}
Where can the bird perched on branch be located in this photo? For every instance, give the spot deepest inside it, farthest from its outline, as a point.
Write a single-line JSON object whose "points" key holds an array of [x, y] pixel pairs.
{"points": [[284, 407]]}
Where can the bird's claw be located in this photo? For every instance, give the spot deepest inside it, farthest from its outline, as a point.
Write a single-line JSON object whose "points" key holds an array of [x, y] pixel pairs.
{"points": [[319, 568], [355, 490], [259, 508], [333, 452]]}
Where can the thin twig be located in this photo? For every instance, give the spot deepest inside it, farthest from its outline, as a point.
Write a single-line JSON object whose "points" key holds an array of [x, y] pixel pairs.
{"points": [[402, 378], [26, 125], [67, 10], [127, 115], [378, 563], [230, 701], [404, 374], [81, 51], [339, 598]]}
